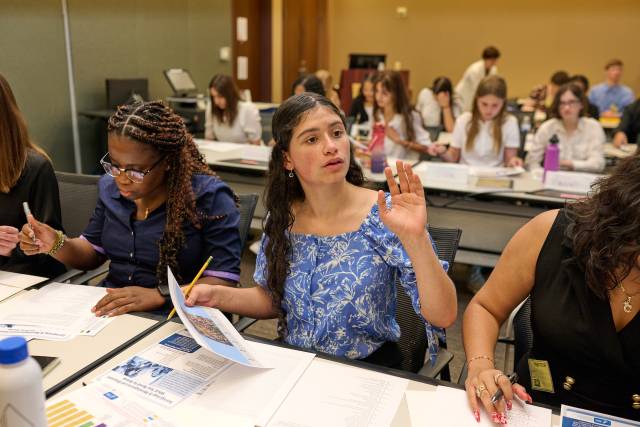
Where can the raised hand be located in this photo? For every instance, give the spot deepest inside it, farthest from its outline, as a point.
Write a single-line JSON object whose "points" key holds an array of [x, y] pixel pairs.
{"points": [[36, 237], [407, 217]]}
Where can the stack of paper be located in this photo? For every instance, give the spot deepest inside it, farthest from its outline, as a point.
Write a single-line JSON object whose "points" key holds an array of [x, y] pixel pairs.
{"points": [[57, 312], [12, 283]]}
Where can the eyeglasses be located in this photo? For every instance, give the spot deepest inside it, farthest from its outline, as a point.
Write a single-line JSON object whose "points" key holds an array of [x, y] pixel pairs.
{"points": [[134, 175], [572, 103]]}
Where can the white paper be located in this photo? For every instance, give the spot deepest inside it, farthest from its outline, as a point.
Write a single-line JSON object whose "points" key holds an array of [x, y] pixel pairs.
{"points": [[584, 418], [444, 138], [256, 393], [340, 395], [495, 172], [242, 29], [17, 280], [167, 372], [242, 67], [434, 171], [448, 407], [256, 152], [58, 311], [7, 291], [211, 329]]}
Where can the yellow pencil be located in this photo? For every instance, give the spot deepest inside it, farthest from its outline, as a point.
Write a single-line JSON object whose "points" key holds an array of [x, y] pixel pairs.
{"points": [[193, 282]]}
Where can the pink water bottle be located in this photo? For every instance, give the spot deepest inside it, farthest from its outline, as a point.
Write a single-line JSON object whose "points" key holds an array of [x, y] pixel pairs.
{"points": [[551, 156], [376, 148]]}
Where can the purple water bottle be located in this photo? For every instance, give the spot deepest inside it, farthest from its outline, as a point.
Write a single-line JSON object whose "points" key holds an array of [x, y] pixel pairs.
{"points": [[551, 156], [376, 146]]}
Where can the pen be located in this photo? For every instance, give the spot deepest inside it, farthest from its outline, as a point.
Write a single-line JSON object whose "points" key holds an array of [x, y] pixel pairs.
{"points": [[193, 282], [513, 378], [27, 212]]}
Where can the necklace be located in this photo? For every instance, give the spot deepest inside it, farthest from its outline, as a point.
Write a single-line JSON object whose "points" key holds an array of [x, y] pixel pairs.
{"points": [[146, 213], [626, 304]]}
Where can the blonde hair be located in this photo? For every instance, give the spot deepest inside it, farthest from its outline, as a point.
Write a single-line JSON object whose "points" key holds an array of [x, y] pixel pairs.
{"points": [[496, 86], [14, 139]]}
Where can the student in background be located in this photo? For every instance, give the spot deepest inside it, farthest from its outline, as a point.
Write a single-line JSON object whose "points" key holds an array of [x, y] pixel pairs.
{"points": [[542, 95], [332, 248], [473, 75], [331, 91], [26, 175], [579, 266], [581, 138], [582, 81], [228, 118], [439, 105], [159, 205], [610, 96], [405, 136], [487, 136], [307, 83], [629, 129], [362, 105]]}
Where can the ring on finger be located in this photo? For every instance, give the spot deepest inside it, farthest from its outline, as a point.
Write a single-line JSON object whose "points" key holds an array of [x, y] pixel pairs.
{"points": [[480, 389], [497, 376]]}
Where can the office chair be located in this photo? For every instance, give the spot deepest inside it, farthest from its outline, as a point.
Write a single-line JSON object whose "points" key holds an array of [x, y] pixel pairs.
{"points": [[78, 198], [247, 206], [413, 340]]}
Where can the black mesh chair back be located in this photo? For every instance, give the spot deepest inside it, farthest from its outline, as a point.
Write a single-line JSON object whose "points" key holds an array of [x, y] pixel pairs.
{"points": [[78, 198], [247, 207], [413, 339], [523, 332]]}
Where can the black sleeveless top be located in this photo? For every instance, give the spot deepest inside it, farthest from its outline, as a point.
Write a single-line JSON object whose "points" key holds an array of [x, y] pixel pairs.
{"points": [[574, 331]]}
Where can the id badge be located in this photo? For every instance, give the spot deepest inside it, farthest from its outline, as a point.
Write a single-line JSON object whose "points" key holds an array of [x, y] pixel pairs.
{"points": [[540, 375]]}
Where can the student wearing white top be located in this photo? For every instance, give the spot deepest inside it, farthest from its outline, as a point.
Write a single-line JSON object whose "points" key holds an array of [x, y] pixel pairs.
{"points": [[474, 74], [581, 139], [488, 136], [405, 137], [438, 105], [229, 119]]}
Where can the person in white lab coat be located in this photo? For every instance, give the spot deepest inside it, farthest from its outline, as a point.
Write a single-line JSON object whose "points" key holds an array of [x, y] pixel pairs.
{"points": [[473, 75]]}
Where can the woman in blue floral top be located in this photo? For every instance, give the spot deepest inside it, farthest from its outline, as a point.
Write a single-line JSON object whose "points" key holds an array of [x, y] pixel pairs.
{"points": [[332, 249]]}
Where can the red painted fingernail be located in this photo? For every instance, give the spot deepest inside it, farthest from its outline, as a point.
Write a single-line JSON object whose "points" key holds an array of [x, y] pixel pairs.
{"points": [[503, 418], [476, 414], [495, 418], [509, 404]]}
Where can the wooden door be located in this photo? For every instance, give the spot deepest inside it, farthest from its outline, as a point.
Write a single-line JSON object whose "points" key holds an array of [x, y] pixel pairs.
{"points": [[305, 40], [256, 49]]}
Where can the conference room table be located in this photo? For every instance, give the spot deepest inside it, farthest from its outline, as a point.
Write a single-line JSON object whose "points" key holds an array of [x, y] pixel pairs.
{"points": [[163, 329], [488, 216]]}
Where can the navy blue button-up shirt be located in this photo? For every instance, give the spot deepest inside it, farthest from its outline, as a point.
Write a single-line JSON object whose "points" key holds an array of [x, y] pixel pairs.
{"points": [[132, 245]]}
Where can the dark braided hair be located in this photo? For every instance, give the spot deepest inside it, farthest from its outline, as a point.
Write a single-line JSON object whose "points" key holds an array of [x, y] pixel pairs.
{"points": [[605, 228], [282, 191], [155, 124]]}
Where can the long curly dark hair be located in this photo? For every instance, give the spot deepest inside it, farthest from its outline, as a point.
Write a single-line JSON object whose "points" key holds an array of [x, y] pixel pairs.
{"points": [[155, 124], [605, 228], [282, 191]]}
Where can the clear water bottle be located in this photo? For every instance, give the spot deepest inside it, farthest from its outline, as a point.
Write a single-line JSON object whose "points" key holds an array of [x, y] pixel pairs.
{"points": [[551, 156], [21, 391], [525, 126]]}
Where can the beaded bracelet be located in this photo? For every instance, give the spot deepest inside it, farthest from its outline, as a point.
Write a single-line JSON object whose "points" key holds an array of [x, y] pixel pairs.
{"points": [[480, 357], [60, 240]]}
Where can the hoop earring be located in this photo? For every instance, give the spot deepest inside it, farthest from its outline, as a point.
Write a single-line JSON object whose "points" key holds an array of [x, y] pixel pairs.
{"points": [[291, 175]]}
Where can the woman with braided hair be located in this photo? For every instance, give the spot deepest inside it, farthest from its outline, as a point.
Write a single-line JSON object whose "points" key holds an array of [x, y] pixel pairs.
{"points": [[332, 249], [159, 205]]}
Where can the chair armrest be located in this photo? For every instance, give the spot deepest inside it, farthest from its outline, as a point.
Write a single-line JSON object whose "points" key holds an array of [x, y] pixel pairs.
{"points": [[443, 358], [68, 276], [244, 323], [91, 274]]}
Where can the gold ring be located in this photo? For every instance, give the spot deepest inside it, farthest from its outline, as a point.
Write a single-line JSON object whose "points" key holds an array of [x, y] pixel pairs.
{"points": [[497, 376], [480, 389]]}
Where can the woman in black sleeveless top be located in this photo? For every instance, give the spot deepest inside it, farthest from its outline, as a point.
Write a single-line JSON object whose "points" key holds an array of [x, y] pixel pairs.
{"points": [[581, 267]]}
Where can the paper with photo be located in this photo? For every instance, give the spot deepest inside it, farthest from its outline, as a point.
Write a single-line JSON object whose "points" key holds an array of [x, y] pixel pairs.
{"points": [[167, 372], [211, 329], [577, 417]]}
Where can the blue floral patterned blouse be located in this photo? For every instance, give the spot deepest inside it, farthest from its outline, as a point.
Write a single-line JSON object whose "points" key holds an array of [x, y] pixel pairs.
{"points": [[339, 296]]}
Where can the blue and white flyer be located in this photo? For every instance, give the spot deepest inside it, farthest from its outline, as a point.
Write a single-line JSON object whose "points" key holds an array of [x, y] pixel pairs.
{"points": [[576, 417], [211, 329]]}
